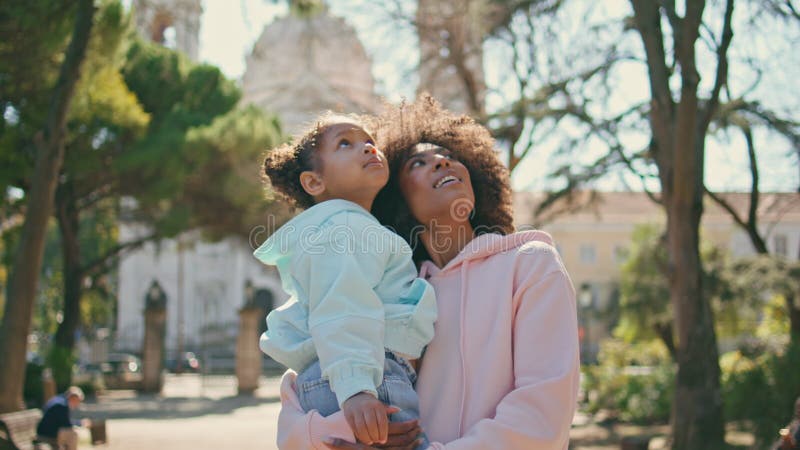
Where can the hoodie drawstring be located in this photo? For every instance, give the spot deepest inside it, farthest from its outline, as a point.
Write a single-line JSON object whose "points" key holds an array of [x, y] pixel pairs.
{"points": [[463, 333]]}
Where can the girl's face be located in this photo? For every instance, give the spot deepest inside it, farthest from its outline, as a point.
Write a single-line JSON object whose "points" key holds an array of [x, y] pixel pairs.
{"points": [[352, 167], [436, 186]]}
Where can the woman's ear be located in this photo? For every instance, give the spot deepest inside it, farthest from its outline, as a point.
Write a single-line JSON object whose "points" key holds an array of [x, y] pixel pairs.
{"points": [[312, 183]]}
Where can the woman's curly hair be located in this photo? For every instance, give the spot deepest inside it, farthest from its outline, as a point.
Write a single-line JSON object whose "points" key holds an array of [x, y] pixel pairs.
{"points": [[284, 164], [398, 129]]}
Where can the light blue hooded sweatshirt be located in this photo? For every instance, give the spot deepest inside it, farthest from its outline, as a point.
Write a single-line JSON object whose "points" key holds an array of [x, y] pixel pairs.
{"points": [[354, 294]]}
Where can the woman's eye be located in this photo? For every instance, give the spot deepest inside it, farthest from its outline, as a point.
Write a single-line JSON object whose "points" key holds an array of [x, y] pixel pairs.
{"points": [[417, 163], [448, 156], [344, 143]]}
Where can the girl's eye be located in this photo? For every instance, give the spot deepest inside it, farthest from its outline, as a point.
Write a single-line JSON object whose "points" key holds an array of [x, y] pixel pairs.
{"points": [[344, 143], [369, 141]]}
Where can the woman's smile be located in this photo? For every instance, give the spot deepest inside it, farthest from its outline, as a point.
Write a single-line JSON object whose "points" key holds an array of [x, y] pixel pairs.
{"points": [[446, 180]]}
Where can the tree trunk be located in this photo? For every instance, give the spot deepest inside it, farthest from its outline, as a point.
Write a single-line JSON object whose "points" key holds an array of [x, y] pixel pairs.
{"points": [[664, 332], [61, 355], [678, 134], [27, 263], [794, 318], [68, 223], [697, 404]]}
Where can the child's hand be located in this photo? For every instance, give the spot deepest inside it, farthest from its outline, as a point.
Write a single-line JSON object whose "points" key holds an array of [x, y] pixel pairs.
{"points": [[367, 417]]}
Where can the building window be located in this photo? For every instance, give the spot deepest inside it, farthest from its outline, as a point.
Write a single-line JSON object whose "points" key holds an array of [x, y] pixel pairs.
{"points": [[588, 254], [781, 247]]}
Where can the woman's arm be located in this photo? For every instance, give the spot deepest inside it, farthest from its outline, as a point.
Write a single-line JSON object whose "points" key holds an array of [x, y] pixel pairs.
{"points": [[298, 430]]}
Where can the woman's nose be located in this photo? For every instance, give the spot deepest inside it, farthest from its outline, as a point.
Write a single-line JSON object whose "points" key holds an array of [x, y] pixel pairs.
{"points": [[442, 162]]}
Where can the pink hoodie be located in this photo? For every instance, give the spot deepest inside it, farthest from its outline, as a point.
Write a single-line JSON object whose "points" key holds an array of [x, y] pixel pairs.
{"points": [[502, 369]]}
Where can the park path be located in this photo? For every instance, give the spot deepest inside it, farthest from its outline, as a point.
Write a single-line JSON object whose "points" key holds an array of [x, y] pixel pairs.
{"points": [[193, 412], [203, 412]]}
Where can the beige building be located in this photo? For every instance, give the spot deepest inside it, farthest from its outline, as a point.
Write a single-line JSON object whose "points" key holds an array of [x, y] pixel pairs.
{"points": [[593, 232]]}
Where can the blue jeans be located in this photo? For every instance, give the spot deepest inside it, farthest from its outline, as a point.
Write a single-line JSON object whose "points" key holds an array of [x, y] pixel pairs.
{"points": [[397, 389]]}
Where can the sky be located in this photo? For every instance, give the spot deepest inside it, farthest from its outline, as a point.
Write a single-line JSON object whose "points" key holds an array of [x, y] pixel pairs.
{"points": [[230, 28]]}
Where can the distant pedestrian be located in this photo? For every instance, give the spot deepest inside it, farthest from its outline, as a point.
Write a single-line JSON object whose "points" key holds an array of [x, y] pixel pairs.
{"points": [[57, 427]]}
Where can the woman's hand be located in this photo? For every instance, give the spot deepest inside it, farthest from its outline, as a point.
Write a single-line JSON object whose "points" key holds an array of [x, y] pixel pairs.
{"points": [[402, 436]]}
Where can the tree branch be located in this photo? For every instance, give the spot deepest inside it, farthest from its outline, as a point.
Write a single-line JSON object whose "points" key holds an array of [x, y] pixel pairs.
{"points": [[727, 207], [103, 263], [751, 225], [648, 23], [722, 67], [752, 217]]}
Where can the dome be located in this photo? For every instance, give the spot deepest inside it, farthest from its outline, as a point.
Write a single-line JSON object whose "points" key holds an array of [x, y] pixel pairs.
{"points": [[301, 66]]}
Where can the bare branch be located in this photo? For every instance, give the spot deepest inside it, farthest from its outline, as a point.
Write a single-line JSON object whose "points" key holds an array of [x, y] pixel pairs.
{"points": [[675, 20], [727, 207], [751, 225], [648, 24], [792, 9], [722, 66], [105, 262]]}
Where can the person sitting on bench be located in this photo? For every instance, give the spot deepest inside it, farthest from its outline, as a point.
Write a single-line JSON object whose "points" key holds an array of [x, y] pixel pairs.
{"points": [[57, 427]]}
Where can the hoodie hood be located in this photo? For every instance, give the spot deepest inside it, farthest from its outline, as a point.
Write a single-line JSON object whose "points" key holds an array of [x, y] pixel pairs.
{"points": [[300, 232], [484, 246]]}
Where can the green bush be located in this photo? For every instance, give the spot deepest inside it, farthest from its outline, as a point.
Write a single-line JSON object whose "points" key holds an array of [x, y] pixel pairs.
{"points": [[760, 390], [633, 381], [61, 360]]}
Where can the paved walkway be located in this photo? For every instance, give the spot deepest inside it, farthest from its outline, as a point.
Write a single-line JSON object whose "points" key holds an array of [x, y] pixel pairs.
{"points": [[193, 412], [198, 413]]}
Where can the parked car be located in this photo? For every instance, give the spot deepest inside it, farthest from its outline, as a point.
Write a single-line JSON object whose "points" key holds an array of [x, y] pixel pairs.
{"points": [[122, 371], [88, 374], [188, 363]]}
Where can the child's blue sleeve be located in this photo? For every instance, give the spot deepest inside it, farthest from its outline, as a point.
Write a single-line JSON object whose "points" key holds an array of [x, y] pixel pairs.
{"points": [[346, 316]]}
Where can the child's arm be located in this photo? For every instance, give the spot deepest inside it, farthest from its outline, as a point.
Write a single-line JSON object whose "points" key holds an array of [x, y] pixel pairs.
{"points": [[346, 316], [346, 321]]}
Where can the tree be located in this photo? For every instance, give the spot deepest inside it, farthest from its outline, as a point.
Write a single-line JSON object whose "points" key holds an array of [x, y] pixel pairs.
{"points": [[50, 151], [185, 171], [678, 147], [572, 95], [105, 118], [114, 150]]}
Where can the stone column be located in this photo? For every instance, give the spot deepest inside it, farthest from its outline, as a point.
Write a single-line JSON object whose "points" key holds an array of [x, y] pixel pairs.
{"points": [[248, 355], [153, 351]]}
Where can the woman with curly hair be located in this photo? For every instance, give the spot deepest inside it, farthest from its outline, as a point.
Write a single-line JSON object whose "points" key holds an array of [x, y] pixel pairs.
{"points": [[502, 369]]}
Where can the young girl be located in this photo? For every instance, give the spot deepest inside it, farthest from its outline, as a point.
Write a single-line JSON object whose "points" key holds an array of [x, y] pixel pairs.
{"points": [[502, 369], [357, 312]]}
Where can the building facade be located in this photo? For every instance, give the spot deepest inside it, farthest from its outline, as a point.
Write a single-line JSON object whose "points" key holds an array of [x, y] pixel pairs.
{"points": [[593, 235]]}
